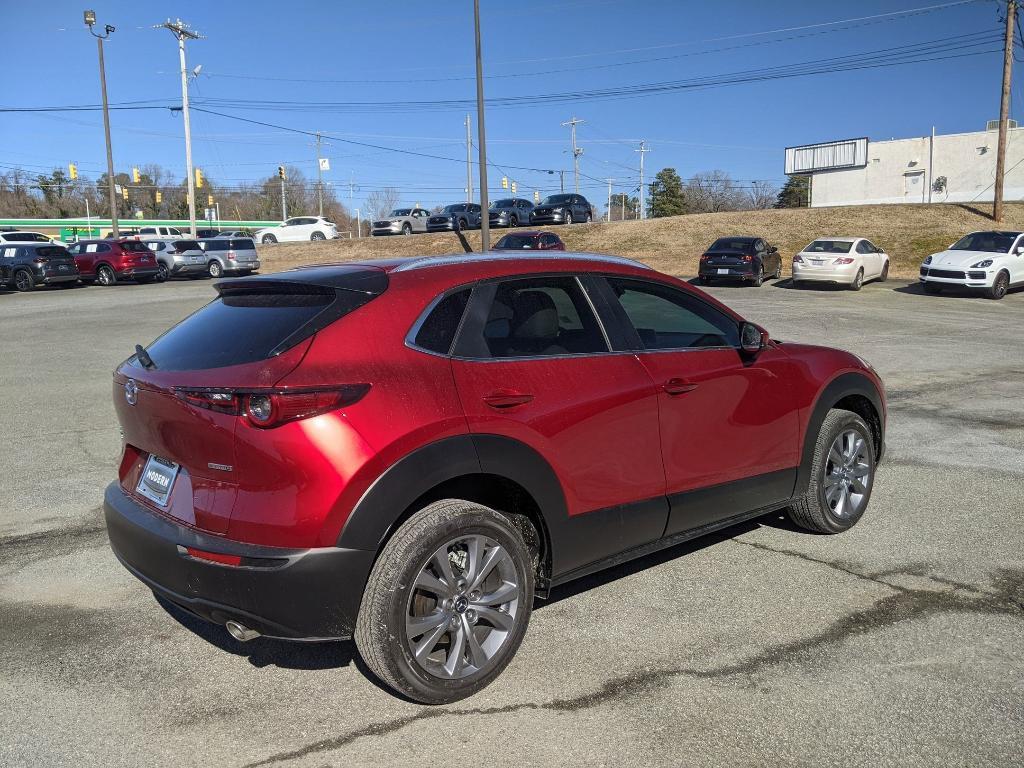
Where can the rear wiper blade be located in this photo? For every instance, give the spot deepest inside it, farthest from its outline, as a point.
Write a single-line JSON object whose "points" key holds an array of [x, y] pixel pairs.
{"points": [[143, 357]]}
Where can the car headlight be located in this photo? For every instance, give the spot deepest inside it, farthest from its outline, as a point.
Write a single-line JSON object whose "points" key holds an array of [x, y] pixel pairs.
{"points": [[928, 260], [983, 263]]}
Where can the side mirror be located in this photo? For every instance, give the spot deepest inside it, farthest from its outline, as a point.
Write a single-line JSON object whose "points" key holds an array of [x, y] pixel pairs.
{"points": [[772, 249], [879, 250], [1019, 250], [753, 338]]}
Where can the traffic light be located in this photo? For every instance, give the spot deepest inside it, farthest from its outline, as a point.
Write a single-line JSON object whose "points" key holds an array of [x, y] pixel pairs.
{"points": [[72, 171], [159, 196], [280, 172], [536, 196], [124, 192], [209, 199], [199, 179], [504, 182], [136, 177], [513, 187]]}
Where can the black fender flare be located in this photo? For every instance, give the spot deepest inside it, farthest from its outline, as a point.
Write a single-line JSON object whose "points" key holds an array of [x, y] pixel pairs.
{"points": [[384, 503], [840, 387]]}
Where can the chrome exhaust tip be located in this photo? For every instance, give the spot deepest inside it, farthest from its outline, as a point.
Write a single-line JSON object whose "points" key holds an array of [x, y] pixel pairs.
{"points": [[240, 632]]}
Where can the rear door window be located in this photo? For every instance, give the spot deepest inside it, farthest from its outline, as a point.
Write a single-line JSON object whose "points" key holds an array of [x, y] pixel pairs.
{"points": [[245, 244]]}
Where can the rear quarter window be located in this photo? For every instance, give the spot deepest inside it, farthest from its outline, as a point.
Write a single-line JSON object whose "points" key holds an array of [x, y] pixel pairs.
{"points": [[438, 330]]}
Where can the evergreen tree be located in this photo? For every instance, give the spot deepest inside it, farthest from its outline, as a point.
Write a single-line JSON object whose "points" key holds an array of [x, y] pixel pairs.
{"points": [[666, 195], [795, 193]]}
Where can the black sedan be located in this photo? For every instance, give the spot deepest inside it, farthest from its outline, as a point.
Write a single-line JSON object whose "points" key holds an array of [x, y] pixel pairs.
{"points": [[26, 265], [749, 259]]}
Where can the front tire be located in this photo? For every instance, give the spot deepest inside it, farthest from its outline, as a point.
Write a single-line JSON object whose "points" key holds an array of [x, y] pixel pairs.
{"points": [[999, 287], [447, 602], [269, 239], [842, 475], [885, 273], [567, 216], [406, 229]]}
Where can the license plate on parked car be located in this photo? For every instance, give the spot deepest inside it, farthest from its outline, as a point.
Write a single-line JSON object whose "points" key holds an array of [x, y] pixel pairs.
{"points": [[157, 479], [817, 262], [723, 271]]}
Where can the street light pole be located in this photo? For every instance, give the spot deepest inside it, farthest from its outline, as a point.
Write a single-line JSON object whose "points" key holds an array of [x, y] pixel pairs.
{"points": [[1004, 112], [90, 21], [485, 224], [182, 32]]}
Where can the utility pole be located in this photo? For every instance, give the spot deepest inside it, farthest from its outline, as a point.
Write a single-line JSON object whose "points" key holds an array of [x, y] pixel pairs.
{"points": [[609, 198], [1004, 111], [485, 224], [319, 178], [561, 180], [90, 21], [643, 150], [284, 203], [469, 162], [576, 151], [182, 32]]}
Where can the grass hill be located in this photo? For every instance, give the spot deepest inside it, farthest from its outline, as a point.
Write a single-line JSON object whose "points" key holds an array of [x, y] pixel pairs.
{"points": [[908, 233]]}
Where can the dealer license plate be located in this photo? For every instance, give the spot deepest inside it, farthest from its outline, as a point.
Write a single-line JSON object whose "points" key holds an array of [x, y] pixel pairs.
{"points": [[157, 479], [723, 271]]}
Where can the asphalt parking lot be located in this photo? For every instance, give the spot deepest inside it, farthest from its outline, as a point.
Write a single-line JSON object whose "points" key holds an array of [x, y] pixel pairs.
{"points": [[900, 642]]}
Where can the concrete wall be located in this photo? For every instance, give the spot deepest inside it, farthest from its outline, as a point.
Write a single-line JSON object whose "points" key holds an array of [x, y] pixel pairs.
{"points": [[898, 172]]}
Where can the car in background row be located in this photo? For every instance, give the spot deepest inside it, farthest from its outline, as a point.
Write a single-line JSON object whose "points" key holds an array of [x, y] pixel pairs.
{"points": [[991, 262], [850, 261], [750, 259], [298, 228], [156, 233], [402, 221], [455, 217], [21, 236], [234, 233], [108, 261], [562, 209], [510, 212], [177, 257], [25, 265], [235, 255], [530, 241]]}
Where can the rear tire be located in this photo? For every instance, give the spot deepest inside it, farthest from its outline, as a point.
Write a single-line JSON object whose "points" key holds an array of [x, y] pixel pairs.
{"points": [[842, 475], [858, 281], [24, 281], [215, 269], [999, 287], [704, 280], [421, 599], [164, 274], [759, 277], [318, 236]]}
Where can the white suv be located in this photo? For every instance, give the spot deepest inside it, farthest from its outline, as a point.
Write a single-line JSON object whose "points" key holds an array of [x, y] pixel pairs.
{"points": [[990, 261], [298, 228]]}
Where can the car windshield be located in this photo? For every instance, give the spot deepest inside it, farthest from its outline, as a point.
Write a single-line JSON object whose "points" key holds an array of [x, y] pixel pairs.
{"points": [[402, 212], [26, 237], [829, 246], [989, 242], [458, 208], [503, 204], [732, 244], [556, 199], [510, 242]]}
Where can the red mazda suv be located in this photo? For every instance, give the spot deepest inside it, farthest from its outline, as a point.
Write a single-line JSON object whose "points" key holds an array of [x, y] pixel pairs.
{"points": [[408, 452], [107, 261]]}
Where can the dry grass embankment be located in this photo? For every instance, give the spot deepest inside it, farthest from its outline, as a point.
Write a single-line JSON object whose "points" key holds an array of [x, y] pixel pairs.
{"points": [[673, 245]]}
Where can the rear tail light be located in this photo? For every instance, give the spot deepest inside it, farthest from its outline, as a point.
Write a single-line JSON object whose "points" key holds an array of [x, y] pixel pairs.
{"points": [[271, 408], [798, 259], [705, 257], [747, 257], [843, 260], [40, 260]]}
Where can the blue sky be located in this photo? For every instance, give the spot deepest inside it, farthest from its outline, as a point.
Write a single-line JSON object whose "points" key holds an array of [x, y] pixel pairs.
{"points": [[267, 53]]}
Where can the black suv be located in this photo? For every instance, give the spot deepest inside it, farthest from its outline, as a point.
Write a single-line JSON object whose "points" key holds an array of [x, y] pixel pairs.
{"points": [[562, 209], [455, 217], [750, 259], [26, 265]]}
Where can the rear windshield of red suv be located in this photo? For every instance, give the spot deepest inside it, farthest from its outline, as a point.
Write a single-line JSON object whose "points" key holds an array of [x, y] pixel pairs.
{"points": [[135, 246], [246, 325]]}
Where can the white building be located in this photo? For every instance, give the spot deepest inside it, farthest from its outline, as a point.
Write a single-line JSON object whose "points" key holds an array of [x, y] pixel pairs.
{"points": [[955, 168]]}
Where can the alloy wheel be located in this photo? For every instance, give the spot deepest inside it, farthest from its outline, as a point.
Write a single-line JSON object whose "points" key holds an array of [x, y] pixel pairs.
{"points": [[162, 272], [105, 276], [1000, 286], [215, 269], [847, 474], [463, 607], [318, 236], [23, 281]]}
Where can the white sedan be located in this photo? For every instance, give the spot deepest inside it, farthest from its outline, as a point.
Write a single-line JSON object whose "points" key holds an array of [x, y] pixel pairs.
{"points": [[851, 261], [992, 262], [298, 228]]}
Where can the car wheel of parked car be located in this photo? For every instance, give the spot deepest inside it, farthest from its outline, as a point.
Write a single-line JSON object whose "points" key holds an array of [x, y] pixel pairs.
{"points": [[885, 273], [858, 281], [318, 236], [407, 228], [269, 239], [215, 269], [105, 275], [447, 602], [513, 221], [1000, 286], [163, 274], [704, 280], [759, 277], [23, 280], [932, 288], [567, 216], [590, 217], [842, 474], [778, 271]]}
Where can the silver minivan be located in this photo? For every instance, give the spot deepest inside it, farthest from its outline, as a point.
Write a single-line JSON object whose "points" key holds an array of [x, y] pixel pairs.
{"points": [[177, 257], [230, 255]]}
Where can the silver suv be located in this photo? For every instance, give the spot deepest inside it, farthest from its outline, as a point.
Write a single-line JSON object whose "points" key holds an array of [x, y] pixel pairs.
{"points": [[177, 257], [403, 221], [230, 255]]}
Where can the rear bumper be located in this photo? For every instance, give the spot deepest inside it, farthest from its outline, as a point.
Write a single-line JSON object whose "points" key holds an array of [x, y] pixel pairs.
{"points": [[293, 594], [58, 278], [842, 274], [180, 268], [231, 265], [743, 271], [135, 272]]}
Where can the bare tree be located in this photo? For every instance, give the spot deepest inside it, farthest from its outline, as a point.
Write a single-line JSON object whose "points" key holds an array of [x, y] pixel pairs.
{"points": [[381, 202], [762, 195], [711, 192]]}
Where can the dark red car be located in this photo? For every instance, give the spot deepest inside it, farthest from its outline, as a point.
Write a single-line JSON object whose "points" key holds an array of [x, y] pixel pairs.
{"points": [[530, 241], [410, 451], [108, 261]]}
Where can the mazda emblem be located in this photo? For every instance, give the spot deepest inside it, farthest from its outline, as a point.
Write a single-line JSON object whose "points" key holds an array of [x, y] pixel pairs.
{"points": [[131, 391]]}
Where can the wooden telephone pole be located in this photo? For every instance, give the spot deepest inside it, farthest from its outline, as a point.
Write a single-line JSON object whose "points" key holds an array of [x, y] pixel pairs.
{"points": [[1004, 110]]}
